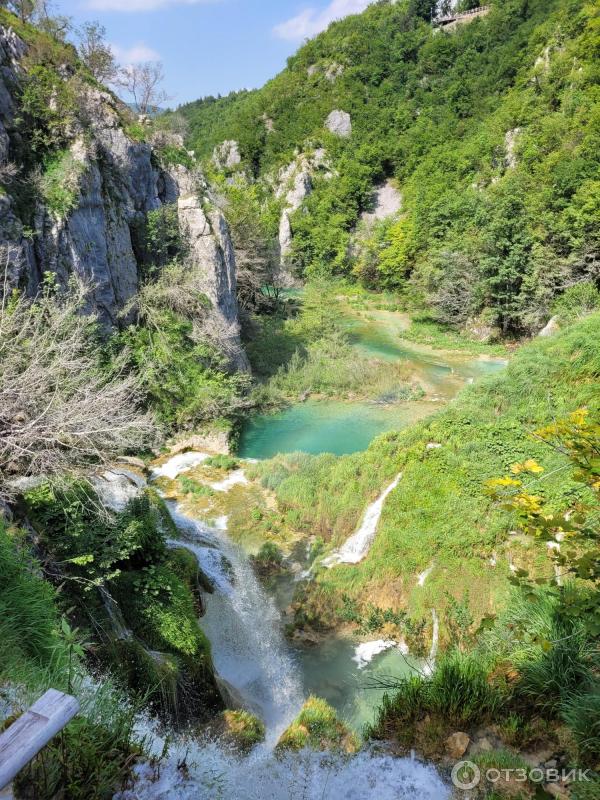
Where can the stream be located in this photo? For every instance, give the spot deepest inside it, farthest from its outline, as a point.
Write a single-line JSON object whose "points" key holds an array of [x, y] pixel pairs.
{"points": [[333, 426], [258, 668]]}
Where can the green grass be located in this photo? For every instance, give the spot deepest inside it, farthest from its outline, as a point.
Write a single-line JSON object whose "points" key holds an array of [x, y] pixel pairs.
{"points": [[424, 330], [306, 351], [318, 728], [242, 728], [440, 513]]}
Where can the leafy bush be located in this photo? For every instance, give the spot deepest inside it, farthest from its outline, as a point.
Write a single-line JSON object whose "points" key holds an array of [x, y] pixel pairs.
{"points": [[578, 300], [91, 545], [59, 183], [185, 380], [47, 109]]}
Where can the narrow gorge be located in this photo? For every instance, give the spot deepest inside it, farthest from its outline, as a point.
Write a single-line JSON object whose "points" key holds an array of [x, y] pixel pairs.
{"points": [[299, 401]]}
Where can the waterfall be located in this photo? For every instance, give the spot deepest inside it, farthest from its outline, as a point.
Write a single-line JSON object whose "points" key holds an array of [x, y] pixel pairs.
{"points": [[253, 659], [244, 628], [357, 546]]}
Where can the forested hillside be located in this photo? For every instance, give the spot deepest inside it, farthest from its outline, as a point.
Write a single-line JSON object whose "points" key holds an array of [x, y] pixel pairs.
{"points": [[490, 131]]}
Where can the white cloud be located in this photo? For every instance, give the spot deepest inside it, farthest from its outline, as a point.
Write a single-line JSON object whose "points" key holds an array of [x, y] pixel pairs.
{"points": [[309, 22], [140, 5], [135, 54]]}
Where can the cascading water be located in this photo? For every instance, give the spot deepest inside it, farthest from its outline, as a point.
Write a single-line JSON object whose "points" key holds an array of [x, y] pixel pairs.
{"points": [[213, 773], [357, 546], [244, 628], [251, 656]]}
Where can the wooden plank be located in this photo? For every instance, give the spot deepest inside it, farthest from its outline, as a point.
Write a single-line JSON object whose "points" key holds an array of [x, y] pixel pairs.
{"points": [[24, 739]]}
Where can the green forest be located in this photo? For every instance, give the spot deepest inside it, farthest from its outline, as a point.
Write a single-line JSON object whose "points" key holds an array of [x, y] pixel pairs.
{"points": [[490, 132]]}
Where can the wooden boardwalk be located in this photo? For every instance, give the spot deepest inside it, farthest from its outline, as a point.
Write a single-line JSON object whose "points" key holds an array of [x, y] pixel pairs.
{"points": [[456, 19], [23, 740]]}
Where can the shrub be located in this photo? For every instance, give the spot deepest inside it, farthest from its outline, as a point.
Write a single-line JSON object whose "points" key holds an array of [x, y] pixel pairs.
{"points": [[222, 462], [268, 559], [578, 300], [317, 727], [59, 183], [59, 411], [242, 728], [47, 109]]}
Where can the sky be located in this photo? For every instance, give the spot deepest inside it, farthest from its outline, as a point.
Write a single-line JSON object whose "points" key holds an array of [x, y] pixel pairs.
{"points": [[209, 46]]}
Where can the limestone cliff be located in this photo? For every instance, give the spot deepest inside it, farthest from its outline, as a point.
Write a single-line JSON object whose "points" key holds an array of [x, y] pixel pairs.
{"points": [[111, 181]]}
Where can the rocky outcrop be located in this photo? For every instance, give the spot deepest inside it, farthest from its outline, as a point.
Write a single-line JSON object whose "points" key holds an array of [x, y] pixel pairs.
{"points": [[227, 155], [339, 123], [112, 183], [510, 142], [386, 201], [550, 328], [211, 252], [293, 185]]}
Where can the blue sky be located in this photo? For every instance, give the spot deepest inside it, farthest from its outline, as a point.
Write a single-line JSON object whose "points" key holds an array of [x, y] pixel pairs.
{"points": [[210, 46]]}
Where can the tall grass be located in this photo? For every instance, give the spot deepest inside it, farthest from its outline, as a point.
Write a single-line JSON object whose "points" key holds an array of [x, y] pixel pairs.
{"points": [[440, 512]]}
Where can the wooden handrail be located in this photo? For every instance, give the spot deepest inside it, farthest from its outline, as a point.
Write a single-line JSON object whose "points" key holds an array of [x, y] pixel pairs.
{"points": [[22, 741], [462, 14]]}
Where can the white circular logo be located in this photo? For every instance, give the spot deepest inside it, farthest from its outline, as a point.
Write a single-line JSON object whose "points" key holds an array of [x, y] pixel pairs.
{"points": [[466, 775]]}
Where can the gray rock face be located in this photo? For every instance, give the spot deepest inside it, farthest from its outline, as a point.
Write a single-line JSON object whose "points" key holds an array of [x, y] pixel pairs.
{"points": [[212, 256], [386, 202], [510, 141], [227, 155], [116, 184], [339, 123], [294, 184]]}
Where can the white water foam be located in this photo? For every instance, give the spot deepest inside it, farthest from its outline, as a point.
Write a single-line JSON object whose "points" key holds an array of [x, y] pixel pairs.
{"points": [[233, 479], [182, 462], [424, 575], [365, 652], [357, 546], [213, 773], [435, 641]]}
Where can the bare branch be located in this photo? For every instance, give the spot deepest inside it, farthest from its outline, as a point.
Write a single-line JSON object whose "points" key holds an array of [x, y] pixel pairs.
{"points": [[60, 410]]}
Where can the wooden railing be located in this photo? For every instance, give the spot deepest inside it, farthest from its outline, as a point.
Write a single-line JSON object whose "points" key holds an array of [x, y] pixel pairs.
{"points": [[473, 12], [22, 741]]}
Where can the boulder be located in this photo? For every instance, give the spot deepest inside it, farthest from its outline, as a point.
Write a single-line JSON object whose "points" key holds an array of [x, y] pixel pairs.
{"points": [[457, 744], [339, 123]]}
